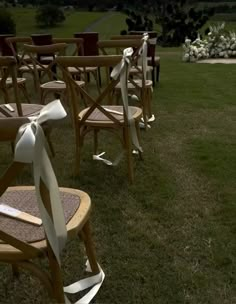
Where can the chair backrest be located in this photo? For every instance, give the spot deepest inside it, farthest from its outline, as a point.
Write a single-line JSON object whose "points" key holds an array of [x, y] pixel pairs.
{"points": [[152, 41], [75, 45], [42, 39], [117, 46], [8, 71], [16, 45], [124, 37], [35, 52], [5, 50], [90, 42], [95, 102]]}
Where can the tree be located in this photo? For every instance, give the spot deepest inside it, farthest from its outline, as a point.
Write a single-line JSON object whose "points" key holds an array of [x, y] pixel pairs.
{"points": [[49, 15], [177, 18], [7, 23]]}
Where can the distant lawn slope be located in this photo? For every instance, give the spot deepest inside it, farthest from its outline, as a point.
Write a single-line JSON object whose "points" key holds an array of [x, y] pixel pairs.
{"points": [[75, 21]]}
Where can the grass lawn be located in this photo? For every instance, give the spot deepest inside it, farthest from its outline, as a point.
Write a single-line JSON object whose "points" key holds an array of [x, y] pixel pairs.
{"points": [[75, 21], [169, 237]]}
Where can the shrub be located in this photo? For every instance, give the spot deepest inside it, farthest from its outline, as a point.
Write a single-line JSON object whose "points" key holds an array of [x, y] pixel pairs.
{"points": [[7, 23], [49, 15]]}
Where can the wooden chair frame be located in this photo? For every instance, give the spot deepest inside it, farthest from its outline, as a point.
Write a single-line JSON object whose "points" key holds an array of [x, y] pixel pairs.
{"points": [[20, 254], [82, 124], [45, 72]]}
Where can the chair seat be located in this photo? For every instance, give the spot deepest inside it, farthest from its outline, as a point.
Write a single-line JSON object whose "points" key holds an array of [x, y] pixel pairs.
{"points": [[27, 109], [157, 60], [74, 70], [30, 67], [99, 119], [76, 205], [131, 86], [58, 85], [134, 70], [19, 81]]}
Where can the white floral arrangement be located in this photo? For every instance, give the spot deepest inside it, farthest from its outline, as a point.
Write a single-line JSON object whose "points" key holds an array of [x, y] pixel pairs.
{"points": [[218, 44]]}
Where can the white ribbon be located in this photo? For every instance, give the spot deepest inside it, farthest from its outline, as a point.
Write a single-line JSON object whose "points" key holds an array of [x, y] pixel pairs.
{"points": [[122, 70], [30, 148], [143, 54]]}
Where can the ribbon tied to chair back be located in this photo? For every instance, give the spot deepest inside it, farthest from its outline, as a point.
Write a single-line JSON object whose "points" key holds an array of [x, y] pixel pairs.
{"points": [[30, 148], [122, 70]]}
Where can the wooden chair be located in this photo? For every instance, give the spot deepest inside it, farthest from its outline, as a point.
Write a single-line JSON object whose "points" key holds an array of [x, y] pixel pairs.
{"points": [[24, 62], [98, 116], [43, 39], [16, 46], [4, 47], [16, 109], [139, 85], [23, 243], [46, 80], [153, 60], [75, 47], [90, 48]]}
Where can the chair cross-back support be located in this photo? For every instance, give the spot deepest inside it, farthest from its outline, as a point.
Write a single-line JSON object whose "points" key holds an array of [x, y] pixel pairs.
{"points": [[15, 109], [75, 46], [45, 75], [24, 64], [16, 46], [140, 86], [20, 242], [98, 116]]}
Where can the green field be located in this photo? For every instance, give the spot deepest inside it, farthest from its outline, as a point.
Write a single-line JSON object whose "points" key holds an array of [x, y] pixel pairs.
{"points": [[169, 237], [75, 22]]}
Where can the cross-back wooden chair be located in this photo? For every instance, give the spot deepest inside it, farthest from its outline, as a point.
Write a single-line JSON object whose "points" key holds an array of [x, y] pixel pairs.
{"points": [[15, 109], [13, 44], [90, 48], [98, 115], [24, 64], [46, 78], [138, 83], [23, 239], [76, 48], [8, 67]]}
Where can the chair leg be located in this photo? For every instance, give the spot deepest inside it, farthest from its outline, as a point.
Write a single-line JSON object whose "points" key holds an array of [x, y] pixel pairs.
{"points": [[56, 276], [153, 75], [15, 270], [139, 137], [149, 101], [157, 73], [24, 91], [95, 137], [128, 148], [90, 248], [78, 144], [99, 77]]}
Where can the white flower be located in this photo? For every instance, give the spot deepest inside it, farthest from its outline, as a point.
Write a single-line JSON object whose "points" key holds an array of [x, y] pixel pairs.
{"points": [[186, 57]]}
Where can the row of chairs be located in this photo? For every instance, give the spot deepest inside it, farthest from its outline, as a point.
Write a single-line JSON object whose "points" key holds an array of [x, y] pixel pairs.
{"points": [[20, 243], [138, 84]]}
